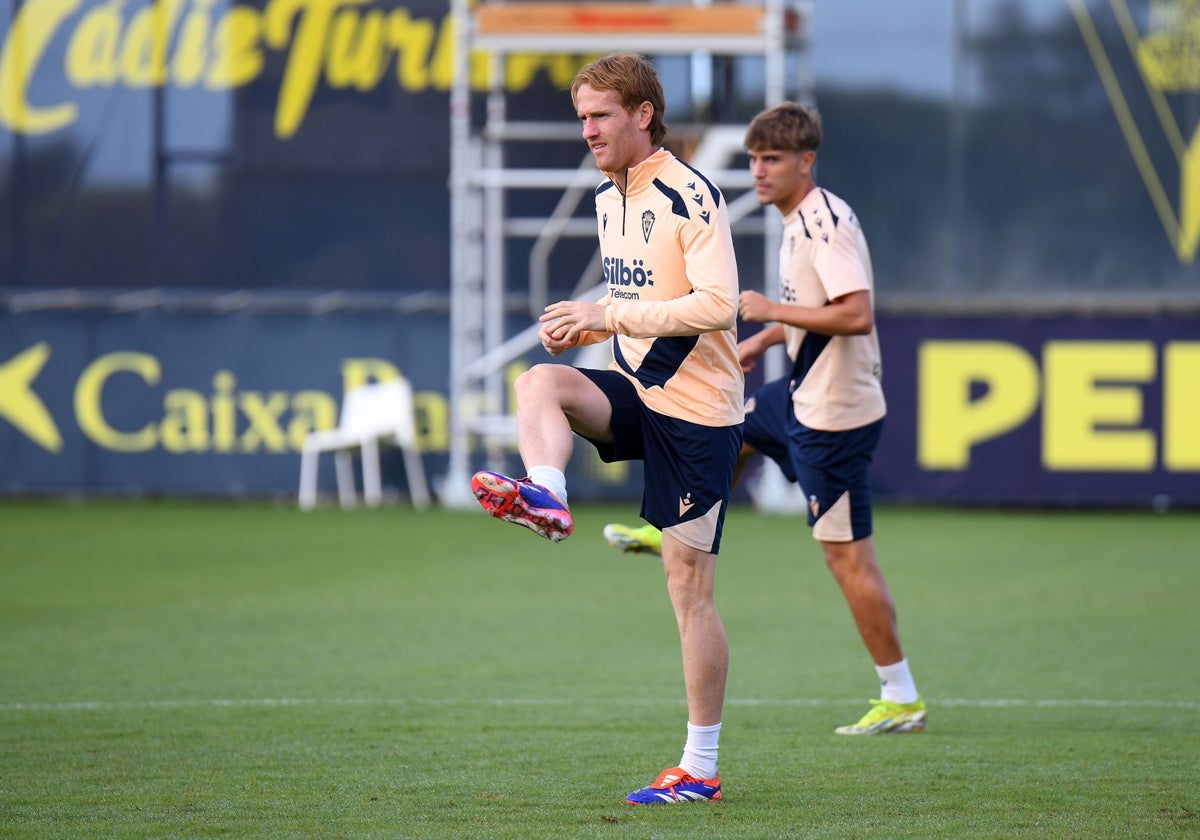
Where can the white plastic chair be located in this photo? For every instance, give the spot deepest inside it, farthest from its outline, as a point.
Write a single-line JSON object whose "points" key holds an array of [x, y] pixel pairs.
{"points": [[371, 414]]}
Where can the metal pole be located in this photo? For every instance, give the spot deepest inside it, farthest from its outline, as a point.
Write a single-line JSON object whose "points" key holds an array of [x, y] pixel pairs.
{"points": [[464, 326], [956, 159], [158, 248]]}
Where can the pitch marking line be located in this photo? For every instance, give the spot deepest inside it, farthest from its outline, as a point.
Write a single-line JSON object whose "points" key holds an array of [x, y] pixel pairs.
{"points": [[272, 702]]}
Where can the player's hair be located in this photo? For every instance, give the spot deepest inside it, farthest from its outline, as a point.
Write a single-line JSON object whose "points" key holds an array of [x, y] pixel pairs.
{"points": [[787, 128], [633, 79]]}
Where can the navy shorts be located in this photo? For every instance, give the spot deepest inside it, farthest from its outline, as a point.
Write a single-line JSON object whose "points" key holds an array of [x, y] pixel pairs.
{"points": [[767, 413], [832, 468], [827, 465], [688, 467]]}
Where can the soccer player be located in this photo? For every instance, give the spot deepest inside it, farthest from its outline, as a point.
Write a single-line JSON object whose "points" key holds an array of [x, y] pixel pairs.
{"points": [[672, 397], [821, 423]]}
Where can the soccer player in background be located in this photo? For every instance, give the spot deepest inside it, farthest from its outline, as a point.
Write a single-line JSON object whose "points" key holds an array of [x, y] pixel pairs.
{"points": [[673, 396], [821, 422]]}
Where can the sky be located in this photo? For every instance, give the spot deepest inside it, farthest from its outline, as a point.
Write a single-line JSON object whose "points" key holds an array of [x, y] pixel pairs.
{"points": [[907, 45]]}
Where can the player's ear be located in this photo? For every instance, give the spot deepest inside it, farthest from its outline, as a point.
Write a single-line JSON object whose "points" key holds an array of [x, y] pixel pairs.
{"points": [[645, 113]]}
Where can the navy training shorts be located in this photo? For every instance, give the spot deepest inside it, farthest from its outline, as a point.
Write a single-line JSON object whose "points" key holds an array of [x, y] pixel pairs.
{"points": [[688, 467]]}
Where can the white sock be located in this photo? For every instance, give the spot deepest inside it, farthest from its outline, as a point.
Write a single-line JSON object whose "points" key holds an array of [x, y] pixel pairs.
{"points": [[896, 683], [700, 751], [552, 479]]}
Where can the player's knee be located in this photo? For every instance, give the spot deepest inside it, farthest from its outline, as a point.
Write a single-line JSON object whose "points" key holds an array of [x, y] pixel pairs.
{"points": [[527, 378], [840, 557], [538, 379], [689, 576], [689, 594], [850, 559]]}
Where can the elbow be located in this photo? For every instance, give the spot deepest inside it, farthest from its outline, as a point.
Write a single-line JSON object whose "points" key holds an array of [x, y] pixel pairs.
{"points": [[855, 314], [730, 315], [863, 324], [854, 322]]}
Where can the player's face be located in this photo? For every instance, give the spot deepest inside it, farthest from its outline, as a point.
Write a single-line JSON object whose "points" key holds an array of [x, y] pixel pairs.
{"points": [[617, 138], [781, 178]]}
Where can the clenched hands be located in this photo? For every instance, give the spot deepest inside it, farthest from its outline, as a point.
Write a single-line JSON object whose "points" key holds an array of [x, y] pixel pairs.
{"points": [[564, 322]]}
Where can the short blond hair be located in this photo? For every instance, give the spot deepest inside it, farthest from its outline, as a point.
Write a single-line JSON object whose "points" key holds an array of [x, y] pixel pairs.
{"points": [[633, 79]]}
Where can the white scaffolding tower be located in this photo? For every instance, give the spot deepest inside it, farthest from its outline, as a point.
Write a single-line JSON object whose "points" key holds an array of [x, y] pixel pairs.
{"points": [[773, 30]]}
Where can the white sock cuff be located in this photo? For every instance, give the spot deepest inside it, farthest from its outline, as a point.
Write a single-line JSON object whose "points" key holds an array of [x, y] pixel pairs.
{"points": [[700, 751], [896, 682], [551, 478]]}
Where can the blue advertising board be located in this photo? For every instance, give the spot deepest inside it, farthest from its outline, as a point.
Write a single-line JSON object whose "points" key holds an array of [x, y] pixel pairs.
{"points": [[998, 409], [1101, 410]]}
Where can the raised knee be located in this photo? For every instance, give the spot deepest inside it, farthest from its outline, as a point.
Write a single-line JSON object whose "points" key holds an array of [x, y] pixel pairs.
{"points": [[533, 378]]}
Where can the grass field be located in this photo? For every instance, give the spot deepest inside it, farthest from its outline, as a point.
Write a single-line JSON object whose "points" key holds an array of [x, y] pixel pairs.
{"points": [[216, 670]]}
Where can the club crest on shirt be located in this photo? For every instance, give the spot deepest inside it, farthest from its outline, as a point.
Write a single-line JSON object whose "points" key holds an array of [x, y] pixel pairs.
{"points": [[647, 224], [604, 224]]}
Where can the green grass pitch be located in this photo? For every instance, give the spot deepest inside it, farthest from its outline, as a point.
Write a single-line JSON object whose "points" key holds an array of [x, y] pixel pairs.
{"points": [[220, 670]]}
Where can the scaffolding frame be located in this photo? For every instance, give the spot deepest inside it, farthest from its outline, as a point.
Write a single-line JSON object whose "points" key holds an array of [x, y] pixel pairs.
{"points": [[773, 30]]}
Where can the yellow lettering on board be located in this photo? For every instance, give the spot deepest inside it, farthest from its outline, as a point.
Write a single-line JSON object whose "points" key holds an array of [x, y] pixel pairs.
{"points": [[263, 417], [413, 42], [144, 53], [441, 64], [184, 426], [89, 391], [357, 372], [185, 43], [19, 403], [306, 56], [510, 380], [312, 411], [432, 411], [237, 56], [357, 56], [563, 67], [1189, 199], [264, 429], [949, 421], [93, 49], [1181, 406], [191, 47], [1082, 395], [224, 412], [32, 30], [520, 70]]}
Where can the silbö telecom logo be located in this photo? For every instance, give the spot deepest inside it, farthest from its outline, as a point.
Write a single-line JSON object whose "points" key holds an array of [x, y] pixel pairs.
{"points": [[621, 275]]}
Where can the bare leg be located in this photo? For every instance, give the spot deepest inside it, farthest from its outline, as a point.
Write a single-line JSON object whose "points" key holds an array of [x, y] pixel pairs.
{"points": [[690, 579], [553, 401], [857, 572]]}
